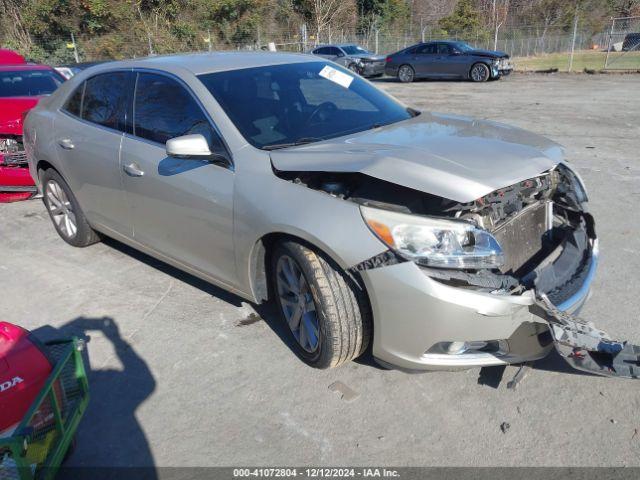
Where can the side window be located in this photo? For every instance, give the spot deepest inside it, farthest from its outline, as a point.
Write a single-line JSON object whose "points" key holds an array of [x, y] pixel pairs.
{"points": [[444, 49], [74, 102], [335, 51], [428, 49], [164, 109], [322, 51], [106, 99]]}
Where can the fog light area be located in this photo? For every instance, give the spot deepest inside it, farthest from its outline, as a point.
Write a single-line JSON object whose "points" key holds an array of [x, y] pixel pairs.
{"points": [[496, 347]]}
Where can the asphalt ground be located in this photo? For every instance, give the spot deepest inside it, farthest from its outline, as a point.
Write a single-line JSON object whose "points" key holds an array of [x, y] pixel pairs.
{"points": [[184, 374]]}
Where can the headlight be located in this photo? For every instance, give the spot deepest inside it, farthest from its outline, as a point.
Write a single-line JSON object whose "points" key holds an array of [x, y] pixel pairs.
{"points": [[9, 145], [435, 242]]}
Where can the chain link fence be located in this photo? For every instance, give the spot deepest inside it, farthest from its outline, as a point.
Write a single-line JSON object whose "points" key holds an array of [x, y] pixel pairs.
{"points": [[623, 46], [532, 48]]}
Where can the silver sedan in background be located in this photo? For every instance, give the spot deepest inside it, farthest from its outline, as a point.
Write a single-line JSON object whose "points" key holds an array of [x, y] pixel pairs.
{"points": [[353, 57], [429, 237]]}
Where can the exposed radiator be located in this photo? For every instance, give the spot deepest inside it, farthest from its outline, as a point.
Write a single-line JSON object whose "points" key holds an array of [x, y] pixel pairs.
{"points": [[521, 237]]}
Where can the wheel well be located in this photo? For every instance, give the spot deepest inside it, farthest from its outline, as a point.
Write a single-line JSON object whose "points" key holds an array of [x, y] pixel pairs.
{"points": [[43, 165], [260, 264]]}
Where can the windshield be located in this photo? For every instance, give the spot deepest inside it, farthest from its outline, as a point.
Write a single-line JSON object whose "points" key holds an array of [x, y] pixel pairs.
{"points": [[28, 83], [354, 50], [463, 47], [300, 103]]}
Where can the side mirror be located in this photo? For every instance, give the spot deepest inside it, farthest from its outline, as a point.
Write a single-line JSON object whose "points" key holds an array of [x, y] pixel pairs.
{"points": [[188, 146], [340, 55]]}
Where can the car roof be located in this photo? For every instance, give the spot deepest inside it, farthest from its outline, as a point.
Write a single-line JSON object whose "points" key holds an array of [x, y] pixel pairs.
{"points": [[337, 45], [23, 66], [209, 62]]}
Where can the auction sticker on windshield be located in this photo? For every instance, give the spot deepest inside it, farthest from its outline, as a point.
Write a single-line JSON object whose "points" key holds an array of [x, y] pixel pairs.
{"points": [[336, 76]]}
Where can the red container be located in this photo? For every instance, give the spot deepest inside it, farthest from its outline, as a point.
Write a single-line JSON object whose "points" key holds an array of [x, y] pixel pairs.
{"points": [[24, 369]]}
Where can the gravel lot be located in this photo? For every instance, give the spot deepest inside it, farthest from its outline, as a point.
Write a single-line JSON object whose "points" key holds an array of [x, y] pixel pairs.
{"points": [[186, 374]]}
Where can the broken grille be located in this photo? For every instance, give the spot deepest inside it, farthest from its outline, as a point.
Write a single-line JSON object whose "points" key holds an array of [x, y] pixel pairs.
{"points": [[17, 158]]}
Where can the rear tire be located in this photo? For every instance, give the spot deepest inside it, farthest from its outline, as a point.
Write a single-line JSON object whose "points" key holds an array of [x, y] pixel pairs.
{"points": [[340, 307], [406, 74], [64, 211]]}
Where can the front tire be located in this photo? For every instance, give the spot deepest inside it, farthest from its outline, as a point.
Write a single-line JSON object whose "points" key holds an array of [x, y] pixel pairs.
{"points": [[479, 72], [65, 212], [406, 74], [327, 314]]}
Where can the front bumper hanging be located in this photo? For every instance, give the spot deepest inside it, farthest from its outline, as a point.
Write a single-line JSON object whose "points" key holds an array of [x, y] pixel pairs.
{"points": [[587, 348]]}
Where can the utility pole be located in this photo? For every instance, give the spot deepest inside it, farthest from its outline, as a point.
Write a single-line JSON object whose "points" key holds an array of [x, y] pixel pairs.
{"points": [[495, 25], [208, 39], [573, 41], [377, 31], [75, 48], [304, 37]]}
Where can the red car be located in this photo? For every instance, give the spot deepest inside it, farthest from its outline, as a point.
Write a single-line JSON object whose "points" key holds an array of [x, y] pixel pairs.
{"points": [[22, 85]]}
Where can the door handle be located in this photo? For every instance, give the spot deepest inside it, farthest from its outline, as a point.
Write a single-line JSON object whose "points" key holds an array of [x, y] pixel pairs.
{"points": [[66, 143], [133, 170]]}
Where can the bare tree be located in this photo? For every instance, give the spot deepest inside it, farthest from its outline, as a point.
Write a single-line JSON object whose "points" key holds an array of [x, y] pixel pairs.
{"points": [[328, 14], [500, 11], [15, 24]]}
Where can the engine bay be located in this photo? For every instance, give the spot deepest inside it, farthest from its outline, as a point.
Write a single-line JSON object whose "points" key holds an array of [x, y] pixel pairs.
{"points": [[540, 223]]}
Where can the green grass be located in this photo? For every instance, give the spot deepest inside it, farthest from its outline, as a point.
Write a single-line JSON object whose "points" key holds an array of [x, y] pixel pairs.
{"points": [[591, 60]]}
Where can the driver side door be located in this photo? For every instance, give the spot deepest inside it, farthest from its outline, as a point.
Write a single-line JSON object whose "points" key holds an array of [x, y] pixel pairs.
{"points": [[449, 62], [181, 208]]}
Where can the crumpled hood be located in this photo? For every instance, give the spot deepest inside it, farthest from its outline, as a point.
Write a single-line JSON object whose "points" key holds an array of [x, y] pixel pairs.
{"points": [[11, 110], [453, 157], [369, 56], [489, 53]]}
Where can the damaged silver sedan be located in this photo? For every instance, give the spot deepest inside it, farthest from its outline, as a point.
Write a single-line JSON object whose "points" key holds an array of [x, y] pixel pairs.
{"points": [[443, 242]]}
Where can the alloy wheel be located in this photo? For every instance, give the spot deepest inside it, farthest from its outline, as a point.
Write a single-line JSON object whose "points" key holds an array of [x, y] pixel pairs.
{"points": [[405, 74], [61, 209], [297, 303], [479, 73]]}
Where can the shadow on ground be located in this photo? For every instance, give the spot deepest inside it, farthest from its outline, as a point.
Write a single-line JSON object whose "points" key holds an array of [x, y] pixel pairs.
{"points": [[109, 434]]}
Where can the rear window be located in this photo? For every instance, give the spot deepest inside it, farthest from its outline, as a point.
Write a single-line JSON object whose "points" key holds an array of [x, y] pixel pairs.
{"points": [[106, 98], [74, 104], [29, 83]]}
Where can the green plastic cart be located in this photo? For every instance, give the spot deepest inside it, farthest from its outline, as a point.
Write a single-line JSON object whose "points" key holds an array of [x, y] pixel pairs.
{"points": [[42, 440]]}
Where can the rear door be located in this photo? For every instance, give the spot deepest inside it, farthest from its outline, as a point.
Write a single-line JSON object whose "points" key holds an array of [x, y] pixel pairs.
{"points": [[181, 208], [88, 132], [423, 60]]}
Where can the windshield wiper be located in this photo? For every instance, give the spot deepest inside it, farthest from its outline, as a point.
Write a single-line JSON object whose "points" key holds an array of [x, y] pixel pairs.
{"points": [[300, 141]]}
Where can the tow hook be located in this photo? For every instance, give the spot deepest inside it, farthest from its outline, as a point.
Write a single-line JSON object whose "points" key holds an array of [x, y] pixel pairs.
{"points": [[587, 348]]}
